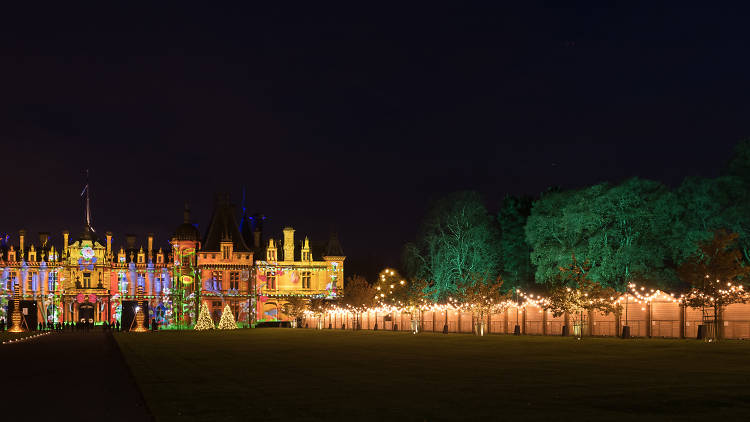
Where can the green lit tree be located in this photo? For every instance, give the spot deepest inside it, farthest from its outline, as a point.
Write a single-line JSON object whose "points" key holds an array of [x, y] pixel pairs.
{"points": [[623, 231], [560, 225], [458, 238]]}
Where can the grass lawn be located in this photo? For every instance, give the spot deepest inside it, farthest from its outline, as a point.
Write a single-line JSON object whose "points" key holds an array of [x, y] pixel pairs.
{"points": [[298, 374]]}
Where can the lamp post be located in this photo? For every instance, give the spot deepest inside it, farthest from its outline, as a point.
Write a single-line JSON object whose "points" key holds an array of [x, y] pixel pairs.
{"points": [[517, 328], [626, 327]]}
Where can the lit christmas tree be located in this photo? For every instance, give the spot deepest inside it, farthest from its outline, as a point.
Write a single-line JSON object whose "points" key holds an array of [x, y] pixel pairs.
{"points": [[227, 320], [204, 319]]}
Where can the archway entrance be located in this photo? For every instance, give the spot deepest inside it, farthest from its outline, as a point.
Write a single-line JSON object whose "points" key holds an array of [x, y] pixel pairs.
{"points": [[86, 312]]}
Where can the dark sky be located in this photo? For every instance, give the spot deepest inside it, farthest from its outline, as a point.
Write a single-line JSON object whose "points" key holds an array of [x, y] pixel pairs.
{"points": [[353, 120]]}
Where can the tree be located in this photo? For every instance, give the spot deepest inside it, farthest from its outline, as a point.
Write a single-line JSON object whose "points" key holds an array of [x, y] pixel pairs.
{"points": [[560, 225], [573, 292], [515, 252], [295, 307], [620, 230], [483, 296], [635, 221], [458, 238], [319, 306], [204, 319], [391, 289], [227, 321], [358, 296], [716, 273]]}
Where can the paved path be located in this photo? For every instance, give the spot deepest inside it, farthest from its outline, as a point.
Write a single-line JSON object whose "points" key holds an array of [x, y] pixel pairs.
{"points": [[69, 376]]}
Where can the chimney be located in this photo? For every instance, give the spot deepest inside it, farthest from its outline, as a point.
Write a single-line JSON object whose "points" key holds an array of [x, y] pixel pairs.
{"points": [[66, 234], [257, 221], [256, 239], [109, 243], [43, 238], [288, 244], [21, 238], [150, 242], [130, 241]]}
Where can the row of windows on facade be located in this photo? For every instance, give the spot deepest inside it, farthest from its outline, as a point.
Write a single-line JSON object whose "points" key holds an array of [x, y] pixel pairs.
{"points": [[271, 255], [122, 280], [32, 280], [305, 276], [226, 253]]}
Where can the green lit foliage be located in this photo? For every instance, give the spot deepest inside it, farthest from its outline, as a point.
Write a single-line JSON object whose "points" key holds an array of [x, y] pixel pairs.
{"points": [[560, 225], [621, 231], [458, 239], [514, 251], [716, 273], [636, 219]]}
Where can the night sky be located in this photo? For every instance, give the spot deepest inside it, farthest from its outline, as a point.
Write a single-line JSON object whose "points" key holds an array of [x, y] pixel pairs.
{"points": [[353, 120]]}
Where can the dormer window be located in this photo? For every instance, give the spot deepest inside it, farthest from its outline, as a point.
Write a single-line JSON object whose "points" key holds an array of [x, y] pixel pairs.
{"points": [[159, 259], [226, 252], [141, 258]]}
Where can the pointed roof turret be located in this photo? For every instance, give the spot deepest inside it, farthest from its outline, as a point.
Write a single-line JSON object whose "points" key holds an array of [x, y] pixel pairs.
{"points": [[333, 248], [224, 227]]}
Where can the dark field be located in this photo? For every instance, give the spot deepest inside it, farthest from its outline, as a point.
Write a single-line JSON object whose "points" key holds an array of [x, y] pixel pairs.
{"points": [[298, 374]]}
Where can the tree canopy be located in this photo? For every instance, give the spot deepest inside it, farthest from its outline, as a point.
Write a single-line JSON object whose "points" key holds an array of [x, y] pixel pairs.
{"points": [[458, 240], [638, 230]]}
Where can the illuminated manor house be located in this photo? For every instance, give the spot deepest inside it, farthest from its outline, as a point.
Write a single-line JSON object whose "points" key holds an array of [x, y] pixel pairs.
{"points": [[85, 278]]}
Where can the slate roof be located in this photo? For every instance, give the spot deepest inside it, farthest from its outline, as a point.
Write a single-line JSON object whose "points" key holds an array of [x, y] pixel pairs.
{"points": [[223, 226]]}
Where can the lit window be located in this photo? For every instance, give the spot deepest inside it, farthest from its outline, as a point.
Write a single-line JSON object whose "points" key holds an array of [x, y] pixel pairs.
{"points": [[122, 281], [271, 278], [217, 277]]}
